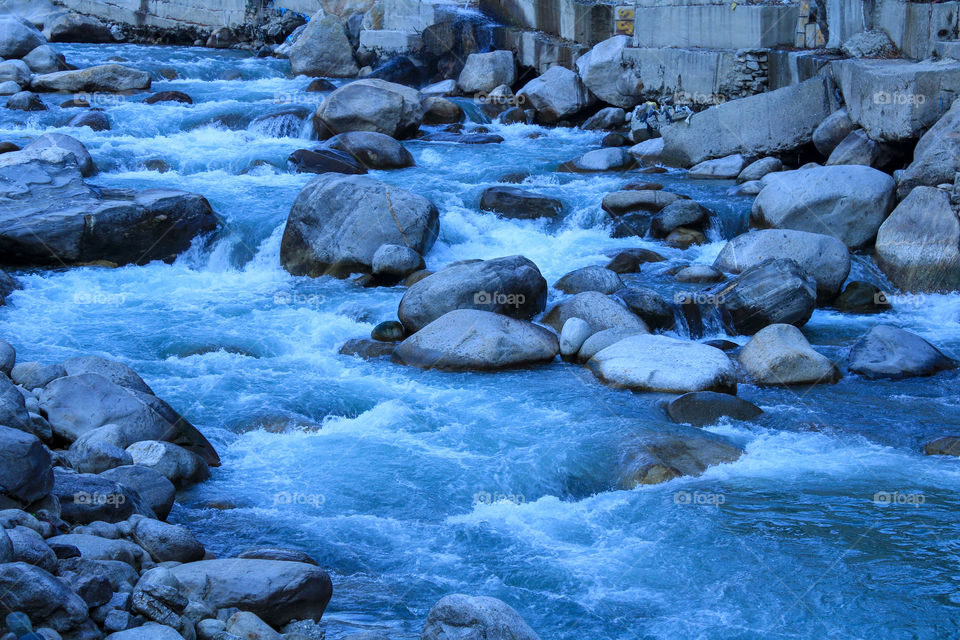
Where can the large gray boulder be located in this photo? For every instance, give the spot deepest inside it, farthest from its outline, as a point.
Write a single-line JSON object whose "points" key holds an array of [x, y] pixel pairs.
{"points": [[936, 158], [323, 49], [372, 150], [889, 352], [512, 286], [610, 159], [148, 631], [26, 474], [597, 310], [45, 59], [18, 37], [86, 498], [469, 339], [49, 216], [700, 408], [77, 405], [110, 78], [67, 144], [772, 292], [832, 132], [764, 124], [589, 279], [274, 590], [556, 95], [858, 148], [846, 202], [157, 492], [462, 617], [167, 542], [176, 464], [780, 355], [484, 72], [607, 75], [15, 71], [370, 105], [13, 407], [661, 363], [823, 257], [338, 222], [660, 457], [74, 27], [47, 600], [918, 246], [115, 372]]}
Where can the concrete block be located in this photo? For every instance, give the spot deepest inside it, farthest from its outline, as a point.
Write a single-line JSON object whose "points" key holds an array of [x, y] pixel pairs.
{"points": [[896, 99], [686, 75], [390, 41], [716, 26]]}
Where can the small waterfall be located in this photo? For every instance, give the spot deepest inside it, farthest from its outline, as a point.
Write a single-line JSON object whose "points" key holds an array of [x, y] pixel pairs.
{"points": [[290, 123]]}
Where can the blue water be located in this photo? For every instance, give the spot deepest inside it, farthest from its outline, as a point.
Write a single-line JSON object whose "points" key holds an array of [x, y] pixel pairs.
{"points": [[408, 485]]}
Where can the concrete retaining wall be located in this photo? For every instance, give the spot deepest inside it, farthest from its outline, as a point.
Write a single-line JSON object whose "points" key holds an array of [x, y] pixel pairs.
{"points": [[164, 13], [914, 28], [716, 26], [582, 22]]}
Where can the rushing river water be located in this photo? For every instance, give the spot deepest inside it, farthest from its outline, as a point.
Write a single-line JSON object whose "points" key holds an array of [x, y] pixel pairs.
{"points": [[408, 485]]}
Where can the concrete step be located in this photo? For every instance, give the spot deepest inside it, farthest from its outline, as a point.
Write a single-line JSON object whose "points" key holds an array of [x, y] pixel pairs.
{"points": [[947, 49]]}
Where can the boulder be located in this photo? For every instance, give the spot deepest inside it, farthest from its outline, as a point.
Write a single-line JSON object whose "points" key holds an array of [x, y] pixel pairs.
{"points": [[574, 333], [652, 308], [589, 279], [861, 297], [857, 148], [157, 492], [484, 72], [59, 219], [598, 310], [45, 59], [441, 111], [556, 95], [662, 457], [608, 159], [442, 89], [96, 120], [393, 262], [832, 132], [759, 168], [606, 119], [33, 375], [77, 405], [325, 161], [98, 456], [109, 78], [648, 153], [388, 331], [276, 591], [459, 616], [323, 49], [619, 203], [367, 349], [116, 372], [773, 292], [946, 446], [13, 408], [701, 408], [679, 213], [66, 144], [8, 358], [846, 202], [26, 474], [178, 465], [25, 101], [698, 273], [511, 202], [11, 88], [918, 246], [244, 624], [763, 124], [936, 158], [600, 340], [18, 37], [469, 339], [370, 105], [73, 27], [170, 96], [660, 363], [167, 542], [29, 547], [780, 355], [822, 257], [95, 547], [338, 222], [47, 600], [512, 286], [148, 631], [86, 498], [892, 353], [15, 71], [726, 168], [608, 76]]}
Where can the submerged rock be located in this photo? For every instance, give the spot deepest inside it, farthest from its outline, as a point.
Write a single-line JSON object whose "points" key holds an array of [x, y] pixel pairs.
{"points": [[325, 161], [662, 457], [701, 408], [338, 222], [111, 78], [659, 363], [511, 202], [889, 352], [772, 292], [946, 446], [469, 339], [367, 349]]}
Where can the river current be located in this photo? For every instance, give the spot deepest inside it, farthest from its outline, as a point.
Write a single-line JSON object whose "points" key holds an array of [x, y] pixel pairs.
{"points": [[407, 485]]}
